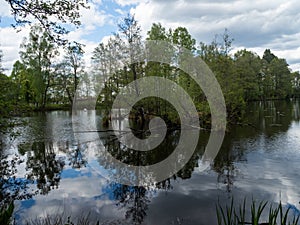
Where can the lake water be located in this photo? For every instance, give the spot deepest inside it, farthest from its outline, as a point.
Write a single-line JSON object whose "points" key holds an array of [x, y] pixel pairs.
{"points": [[55, 173]]}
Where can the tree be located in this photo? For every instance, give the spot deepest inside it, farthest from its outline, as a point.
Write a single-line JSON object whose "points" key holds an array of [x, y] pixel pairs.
{"points": [[38, 53], [108, 73], [6, 94], [53, 16], [248, 69], [226, 42], [22, 80], [99, 70], [278, 77], [218, 58], [130, 33], [281, 74], [6, 97], [73, 63], [1, 58], [296, 83], [243, 76], [157, 32], [62, 84], [268, 55], [181, 37], [156, 105]]}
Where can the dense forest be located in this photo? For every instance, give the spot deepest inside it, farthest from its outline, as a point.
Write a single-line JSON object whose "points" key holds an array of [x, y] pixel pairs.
{"points": [[43, 79]]}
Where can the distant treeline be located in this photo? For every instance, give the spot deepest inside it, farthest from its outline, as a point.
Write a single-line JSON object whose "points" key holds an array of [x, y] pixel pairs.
{"points": [[42, 81]]}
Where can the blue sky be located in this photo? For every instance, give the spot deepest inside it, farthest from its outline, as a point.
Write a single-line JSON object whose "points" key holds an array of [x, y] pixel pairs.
{"points": [[254, 24]]}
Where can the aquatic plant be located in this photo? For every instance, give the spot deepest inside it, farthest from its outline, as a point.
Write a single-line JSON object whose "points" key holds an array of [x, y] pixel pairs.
{"points": [[229, 215]]}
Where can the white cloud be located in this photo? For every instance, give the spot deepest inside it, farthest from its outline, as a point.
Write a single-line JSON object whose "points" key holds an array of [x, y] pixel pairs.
{"points": [[120, 11], [257, 24], [253, 24], [74, 197], [91, 19], [128, 2], [105, 39], [4, 9], [10, 41], [99, 2]]}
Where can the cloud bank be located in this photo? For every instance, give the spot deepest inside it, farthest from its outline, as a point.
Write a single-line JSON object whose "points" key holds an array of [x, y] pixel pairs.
{"points": [[255, 25]]}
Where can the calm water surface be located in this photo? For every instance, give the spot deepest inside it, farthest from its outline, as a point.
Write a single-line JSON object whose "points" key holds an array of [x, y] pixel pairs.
{"points": [[57, 174]]}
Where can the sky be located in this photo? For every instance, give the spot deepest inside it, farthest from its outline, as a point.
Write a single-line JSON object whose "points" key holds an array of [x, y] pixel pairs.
{"points": [[255, 25]]}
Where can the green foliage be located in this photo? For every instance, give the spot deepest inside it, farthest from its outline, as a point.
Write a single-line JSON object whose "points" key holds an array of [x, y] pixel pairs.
{"points": [[181, 37], [256, 213], [71, 70], [227, 215], [296, 84], [39, 80], [230, 216], [24, 91], [268, 56], [53, 16], [37, 55], [243, 76], [247, 68], [6, 214], [6, 95]]}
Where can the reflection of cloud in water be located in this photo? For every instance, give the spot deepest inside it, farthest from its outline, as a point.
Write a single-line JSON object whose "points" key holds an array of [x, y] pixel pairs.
{"points": [[264, 165], [269, 166], [75, 197], [271, 174]]}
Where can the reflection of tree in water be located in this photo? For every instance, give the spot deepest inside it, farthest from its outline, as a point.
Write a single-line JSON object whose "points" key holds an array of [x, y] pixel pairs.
{"points": [[11, 187], [43, 169], [224, 162], [226, 175], [188, 169], [76, 157], [268, 118], [135, 199], [43, 166]]}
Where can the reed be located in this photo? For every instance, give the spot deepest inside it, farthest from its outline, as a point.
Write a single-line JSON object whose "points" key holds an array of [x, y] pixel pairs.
{"points": [[230, 215]]}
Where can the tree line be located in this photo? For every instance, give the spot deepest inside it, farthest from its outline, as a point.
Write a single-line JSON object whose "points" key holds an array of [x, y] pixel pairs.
{"points": [[41, 79]]}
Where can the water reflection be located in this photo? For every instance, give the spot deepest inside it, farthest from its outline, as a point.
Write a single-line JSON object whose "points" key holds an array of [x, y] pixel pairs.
{"points": [[43, 167], [51, 166], [135, 199], [12, 187], [77, 158]]}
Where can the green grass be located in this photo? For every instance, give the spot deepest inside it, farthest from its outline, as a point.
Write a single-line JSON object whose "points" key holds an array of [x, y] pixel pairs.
{"points": [[6, 214], [229, 215]]}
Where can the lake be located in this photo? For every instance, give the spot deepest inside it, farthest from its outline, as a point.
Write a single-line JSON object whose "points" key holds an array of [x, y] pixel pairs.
{"points": [[55, 173]]}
